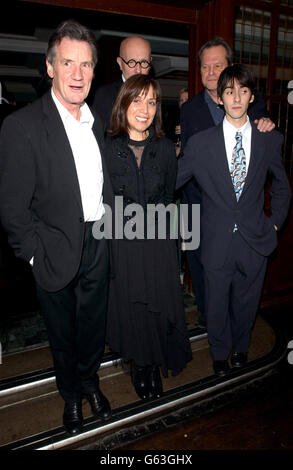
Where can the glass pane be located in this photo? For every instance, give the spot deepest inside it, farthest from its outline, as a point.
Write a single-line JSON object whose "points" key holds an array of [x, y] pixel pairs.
{"points": [[252, 35], [252, 46], [287, 3]]}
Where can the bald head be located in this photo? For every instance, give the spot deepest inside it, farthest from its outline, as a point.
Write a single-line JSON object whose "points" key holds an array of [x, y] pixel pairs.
{"points": [[135, 48]]}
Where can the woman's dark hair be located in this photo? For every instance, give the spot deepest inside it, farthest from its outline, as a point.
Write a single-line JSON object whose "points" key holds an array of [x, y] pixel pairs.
{"points": [[131, 89], [73, 30], [238, 72]]}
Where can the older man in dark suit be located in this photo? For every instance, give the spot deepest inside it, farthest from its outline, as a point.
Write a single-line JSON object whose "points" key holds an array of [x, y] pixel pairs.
{"points": [[201, 112], [230, 163], [53, 186]]}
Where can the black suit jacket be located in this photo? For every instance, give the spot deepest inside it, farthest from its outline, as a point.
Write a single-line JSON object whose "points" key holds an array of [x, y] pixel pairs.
{"points": [[40, 201], [205, 159], [195, 117], [104, 99]]}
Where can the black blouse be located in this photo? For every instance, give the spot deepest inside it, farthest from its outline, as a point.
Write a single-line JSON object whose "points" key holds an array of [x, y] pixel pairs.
{"points": [[142, 172]]}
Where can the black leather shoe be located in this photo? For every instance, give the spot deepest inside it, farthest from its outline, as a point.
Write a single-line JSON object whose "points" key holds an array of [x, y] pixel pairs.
{"points": [[140, 381], [155, 382], [72, 417], [99, 404], [238, 359], [221, 368]]}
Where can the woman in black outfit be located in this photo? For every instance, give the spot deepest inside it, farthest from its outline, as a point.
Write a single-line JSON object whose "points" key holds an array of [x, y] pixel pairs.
{"points": [[146, 318]]}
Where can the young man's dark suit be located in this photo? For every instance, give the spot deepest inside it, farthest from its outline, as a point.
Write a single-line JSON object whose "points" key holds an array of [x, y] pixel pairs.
{"points": [[41, 210], [205, 158], [104, 99], [195, 117]]}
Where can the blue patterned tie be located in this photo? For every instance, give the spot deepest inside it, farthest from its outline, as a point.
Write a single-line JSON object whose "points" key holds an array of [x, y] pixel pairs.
{"points": [[238, 166]]}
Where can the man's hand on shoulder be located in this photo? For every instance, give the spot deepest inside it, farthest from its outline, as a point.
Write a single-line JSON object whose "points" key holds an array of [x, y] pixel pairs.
{"points": [[265, 124]]}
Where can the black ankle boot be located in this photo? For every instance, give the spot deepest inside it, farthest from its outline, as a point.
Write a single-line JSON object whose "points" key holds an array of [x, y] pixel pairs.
{"points": [[140, 381], [155, 382]]}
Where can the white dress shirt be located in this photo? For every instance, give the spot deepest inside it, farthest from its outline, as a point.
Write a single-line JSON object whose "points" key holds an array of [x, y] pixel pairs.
{"points": [[230, 140], [87, 158]]}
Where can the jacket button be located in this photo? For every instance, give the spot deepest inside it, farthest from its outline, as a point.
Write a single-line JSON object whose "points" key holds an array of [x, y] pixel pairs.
{"points": [[81, 219]]}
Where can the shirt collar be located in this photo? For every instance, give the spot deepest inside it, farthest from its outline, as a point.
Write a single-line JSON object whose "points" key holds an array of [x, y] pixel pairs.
{"points": [[86, 115], [232, 129], [208, 99]]}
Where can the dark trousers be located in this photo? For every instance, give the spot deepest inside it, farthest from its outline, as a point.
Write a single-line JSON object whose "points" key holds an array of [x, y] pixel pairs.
{"points": [[232, 295], [191, 195], [197, 277], [75, 318]]}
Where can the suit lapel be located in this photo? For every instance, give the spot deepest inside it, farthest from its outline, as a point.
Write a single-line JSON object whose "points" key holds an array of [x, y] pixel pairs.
{"points": [[61, 149], [221, 162], [257, 153], [221, 166], [99, 135], [204, 113]]}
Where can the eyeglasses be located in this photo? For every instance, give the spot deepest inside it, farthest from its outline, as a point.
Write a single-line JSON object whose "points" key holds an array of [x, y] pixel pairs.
{"points": [[133, 63]]}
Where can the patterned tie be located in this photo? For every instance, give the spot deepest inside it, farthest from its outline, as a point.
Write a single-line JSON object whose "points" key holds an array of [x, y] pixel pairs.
{"points": [[238, 166]]}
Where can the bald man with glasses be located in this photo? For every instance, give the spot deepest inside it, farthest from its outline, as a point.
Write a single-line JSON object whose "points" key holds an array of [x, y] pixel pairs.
{"points": [[134, 57]]}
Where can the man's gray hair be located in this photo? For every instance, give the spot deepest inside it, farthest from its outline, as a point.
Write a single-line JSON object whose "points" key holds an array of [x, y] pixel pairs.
{"points": [[73, 30]]}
